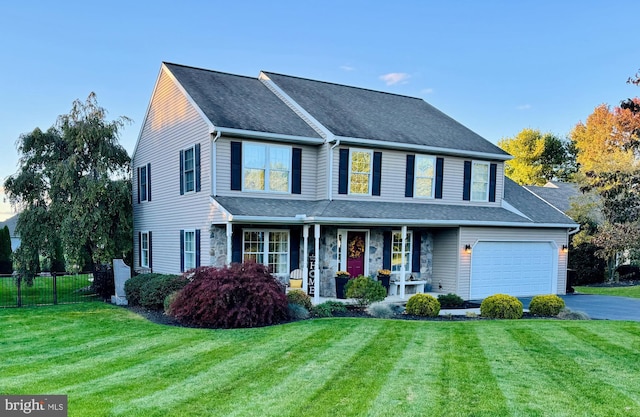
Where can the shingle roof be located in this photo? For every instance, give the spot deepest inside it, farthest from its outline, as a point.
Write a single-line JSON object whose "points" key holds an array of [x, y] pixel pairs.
{"points": [[239, 102], [532, 206], [558, 194], [360, 113]]}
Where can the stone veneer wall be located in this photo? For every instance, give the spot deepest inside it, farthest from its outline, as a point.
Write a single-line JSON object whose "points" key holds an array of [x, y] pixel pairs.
{"points": [[218, 251]]}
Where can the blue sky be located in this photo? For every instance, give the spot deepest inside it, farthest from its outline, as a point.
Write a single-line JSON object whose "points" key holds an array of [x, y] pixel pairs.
{"points": [[495, 66]]}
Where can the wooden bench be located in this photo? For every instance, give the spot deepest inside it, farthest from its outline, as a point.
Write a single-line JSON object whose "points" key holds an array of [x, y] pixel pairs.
{"points": [[394, 286]]}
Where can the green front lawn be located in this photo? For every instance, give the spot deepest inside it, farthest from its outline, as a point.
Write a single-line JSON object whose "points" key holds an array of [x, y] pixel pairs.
{"points": [[631, 291], [111, 362]]}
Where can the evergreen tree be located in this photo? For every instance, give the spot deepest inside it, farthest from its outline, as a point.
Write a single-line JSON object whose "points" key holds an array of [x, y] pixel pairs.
{"points": [[6, 266]]}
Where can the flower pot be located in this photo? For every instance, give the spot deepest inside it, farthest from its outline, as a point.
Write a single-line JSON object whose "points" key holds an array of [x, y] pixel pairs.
{"points": [[384, 280], [340, 283]]}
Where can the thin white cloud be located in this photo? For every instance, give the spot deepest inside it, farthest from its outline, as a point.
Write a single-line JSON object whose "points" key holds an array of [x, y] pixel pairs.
{"points": [[347, 68], [395, 78], [427, 91], [523, 107]]}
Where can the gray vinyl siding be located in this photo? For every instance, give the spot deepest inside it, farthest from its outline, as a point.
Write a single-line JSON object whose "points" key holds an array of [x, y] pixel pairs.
{"points": [[471, 235], [172, 124], [322, 172], [309, 170], [446, 254], [392, 189]]}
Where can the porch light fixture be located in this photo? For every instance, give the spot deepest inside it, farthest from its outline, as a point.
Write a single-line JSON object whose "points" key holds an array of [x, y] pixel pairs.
{"points": [[467, 248], [565, 248]]}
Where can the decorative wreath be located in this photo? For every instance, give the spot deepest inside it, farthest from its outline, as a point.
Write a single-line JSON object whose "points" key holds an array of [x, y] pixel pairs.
{"points": [[356, 247]]}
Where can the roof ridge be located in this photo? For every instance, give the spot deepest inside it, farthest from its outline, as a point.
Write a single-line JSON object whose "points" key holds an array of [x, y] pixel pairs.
{"points": [[344, 85], [209, 70]]}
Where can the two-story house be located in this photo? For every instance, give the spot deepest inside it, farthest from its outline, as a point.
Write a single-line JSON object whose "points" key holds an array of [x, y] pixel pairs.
{"points": [[303, 174]]}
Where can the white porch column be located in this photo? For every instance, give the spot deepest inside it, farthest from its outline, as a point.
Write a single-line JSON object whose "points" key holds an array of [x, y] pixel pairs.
{"points": [[305, 258], [402, 268], [316, 269], [229, 242]]}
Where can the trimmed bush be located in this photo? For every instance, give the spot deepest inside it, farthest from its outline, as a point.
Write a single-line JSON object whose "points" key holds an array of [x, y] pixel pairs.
{"points": [[423, 305], [566, 314], [501, 306], [381, 311], [450, 300], [297, 312], [155, 290], [328, 308], [546, 305], [134, 285], [299, 297], [234, 296], [365, 290]]}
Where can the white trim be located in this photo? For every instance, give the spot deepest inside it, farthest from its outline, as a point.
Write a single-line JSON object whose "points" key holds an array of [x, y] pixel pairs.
{"points": [[184, 168], [556, 208], [143, 233], [488, 165], [184, 249], [415, 177], [265, 252], [252, 134], [505, 205], [293, 105], [422, 148], [342, 260], [370, 180], [267, 168]]}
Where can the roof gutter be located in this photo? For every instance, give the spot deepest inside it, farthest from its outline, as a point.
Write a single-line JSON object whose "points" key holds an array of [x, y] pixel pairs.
{"points": [[252, 134], [424, 148]]}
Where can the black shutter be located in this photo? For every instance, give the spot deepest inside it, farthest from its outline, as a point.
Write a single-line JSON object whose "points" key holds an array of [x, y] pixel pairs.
{"points": [[408, 183], [294, 261], [343, 171], [377, 173], [236, 166], [296, 171], [150, 252], [386, 250], [149, 183], [236, 246], [439, 176], [181, 250], [415, 253], [492, 182], [466, 186], [197, 248], [181, 173], [140, 249], [198, 176], [139, 182]]}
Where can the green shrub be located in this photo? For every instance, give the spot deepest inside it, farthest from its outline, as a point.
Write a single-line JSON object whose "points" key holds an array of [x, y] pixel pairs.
{"points": [[154, 291], [299, 297], [297, 312], [381, 310], [365, 291], [450, 300], [133, 286], [423, 305], [328, 308], [546, 305], [501, 306], [168, 300], [566, 314]]}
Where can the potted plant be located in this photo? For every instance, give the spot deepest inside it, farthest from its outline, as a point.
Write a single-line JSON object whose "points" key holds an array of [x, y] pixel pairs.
{"points": [[342, 277], [384, 275]]}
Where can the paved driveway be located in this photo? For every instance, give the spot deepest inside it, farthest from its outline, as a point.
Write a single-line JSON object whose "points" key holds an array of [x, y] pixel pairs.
{"points": [[600, 306]]}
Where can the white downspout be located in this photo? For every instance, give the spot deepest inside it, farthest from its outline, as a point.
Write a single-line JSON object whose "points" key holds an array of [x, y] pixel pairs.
{"points": [[214, 176], [331, 168], [403, 260]]}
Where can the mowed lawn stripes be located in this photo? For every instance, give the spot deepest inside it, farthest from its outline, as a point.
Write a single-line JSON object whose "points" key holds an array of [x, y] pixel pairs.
{"points": [[111, 362]]}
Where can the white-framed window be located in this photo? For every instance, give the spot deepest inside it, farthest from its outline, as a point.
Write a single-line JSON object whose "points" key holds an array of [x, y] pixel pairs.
{"points": [[425, 176], [143, 183], [396, 252], [266, 168], [189, 169], [268, 247], [144, 249], [480, 181], [189, 249], [360, 169]]}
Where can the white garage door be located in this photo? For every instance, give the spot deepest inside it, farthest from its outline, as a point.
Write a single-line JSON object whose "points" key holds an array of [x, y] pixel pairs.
{"points": [[514, 268]]}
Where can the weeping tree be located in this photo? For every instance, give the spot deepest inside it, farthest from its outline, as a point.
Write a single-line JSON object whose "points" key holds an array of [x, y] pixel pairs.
{"points": [[73, 188]]}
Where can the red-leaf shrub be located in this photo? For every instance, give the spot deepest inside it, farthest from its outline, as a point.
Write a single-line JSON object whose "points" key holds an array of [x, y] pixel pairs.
{"points": [[239, 295]]}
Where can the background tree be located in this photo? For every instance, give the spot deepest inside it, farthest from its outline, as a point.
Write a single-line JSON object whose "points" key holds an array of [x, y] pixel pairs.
{"points": [[74, 186], [6, 265], [538, 158]]}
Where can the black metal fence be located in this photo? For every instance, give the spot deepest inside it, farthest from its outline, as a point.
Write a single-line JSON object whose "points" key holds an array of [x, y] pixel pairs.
{"points": [[46, 289]]}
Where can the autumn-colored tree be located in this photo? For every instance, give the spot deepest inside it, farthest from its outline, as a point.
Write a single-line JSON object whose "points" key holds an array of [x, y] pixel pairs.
{"points": [[537, 157]]}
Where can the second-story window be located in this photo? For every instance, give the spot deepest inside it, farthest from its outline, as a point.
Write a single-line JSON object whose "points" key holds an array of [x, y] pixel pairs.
{"points": [[189, 172], [360, 172], [266, 168], [480, 181], [425, 176]]}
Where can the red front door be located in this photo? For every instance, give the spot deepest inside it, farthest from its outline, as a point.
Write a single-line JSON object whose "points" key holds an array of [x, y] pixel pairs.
{"points": [[356, 250]]}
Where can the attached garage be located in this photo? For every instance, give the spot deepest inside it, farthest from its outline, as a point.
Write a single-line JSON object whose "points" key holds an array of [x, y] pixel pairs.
{"points": [[514, 268]]}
